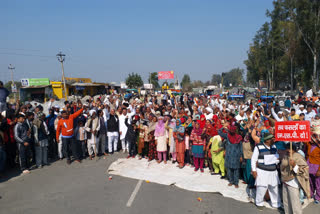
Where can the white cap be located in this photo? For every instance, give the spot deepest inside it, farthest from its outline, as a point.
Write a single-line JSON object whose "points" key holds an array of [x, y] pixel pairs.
{"points": [[91, 112], [166, 113], [209, 109]]}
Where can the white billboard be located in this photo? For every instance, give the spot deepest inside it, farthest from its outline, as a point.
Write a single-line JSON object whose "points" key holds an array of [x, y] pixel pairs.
{"points": [[123, 85], [148, 86]]}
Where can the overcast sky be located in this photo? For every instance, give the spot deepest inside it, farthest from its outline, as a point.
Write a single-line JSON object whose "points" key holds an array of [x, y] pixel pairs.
{"points": [[107, 39]]}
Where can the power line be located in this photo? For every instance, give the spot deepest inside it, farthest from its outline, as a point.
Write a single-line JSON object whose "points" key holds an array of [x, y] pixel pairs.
{"points": [[18, 49], [36, 55], [20, 54]]}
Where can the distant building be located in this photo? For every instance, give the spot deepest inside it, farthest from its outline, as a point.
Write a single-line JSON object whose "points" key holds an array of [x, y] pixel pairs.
{"points": [[38, 89], [41, 89]]}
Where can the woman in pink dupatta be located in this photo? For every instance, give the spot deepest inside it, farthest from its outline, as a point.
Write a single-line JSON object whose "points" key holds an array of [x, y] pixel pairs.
{"points": [[161, 140]]}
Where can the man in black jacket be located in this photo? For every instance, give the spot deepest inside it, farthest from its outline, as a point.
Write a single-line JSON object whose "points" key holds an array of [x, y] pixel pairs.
{"points": [[28, 123], [113, 132], [22, 136]]}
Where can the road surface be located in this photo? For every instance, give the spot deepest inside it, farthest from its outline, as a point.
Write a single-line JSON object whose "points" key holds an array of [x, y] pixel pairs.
{"points": [[85, 188]]}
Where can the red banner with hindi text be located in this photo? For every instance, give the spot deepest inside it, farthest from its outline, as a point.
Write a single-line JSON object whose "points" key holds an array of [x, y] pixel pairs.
{"points": [[294, 131], [164, 75]]}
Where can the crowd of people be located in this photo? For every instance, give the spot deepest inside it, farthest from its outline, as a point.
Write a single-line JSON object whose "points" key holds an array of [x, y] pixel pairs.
{"points": [[232, 139]]}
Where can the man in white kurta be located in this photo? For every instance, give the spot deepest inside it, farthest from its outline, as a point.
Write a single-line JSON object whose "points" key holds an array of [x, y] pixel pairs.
{"points": [[208, 113], [299, 109], [241, 116], [278, 117], [267, 178], [123, 130], [310, 114], [92, 126]]}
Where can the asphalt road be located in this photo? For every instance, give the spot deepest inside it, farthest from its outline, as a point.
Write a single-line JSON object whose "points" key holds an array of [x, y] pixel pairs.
{"points": [[85, 188]]}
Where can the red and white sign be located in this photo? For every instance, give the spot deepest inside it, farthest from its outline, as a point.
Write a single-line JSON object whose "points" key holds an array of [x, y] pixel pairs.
{"points": [[294, 131], [164, 75]]}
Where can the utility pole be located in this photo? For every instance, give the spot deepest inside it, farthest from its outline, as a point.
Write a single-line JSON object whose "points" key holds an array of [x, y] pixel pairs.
{"points": [[222, 78], [61, 58], [13, 88]]}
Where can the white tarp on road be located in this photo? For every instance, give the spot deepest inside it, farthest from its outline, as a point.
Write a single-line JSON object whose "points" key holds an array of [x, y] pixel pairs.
{"points": [[186, 178], [169, 174]]}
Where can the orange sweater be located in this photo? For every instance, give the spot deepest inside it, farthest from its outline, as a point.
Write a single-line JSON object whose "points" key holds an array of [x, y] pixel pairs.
{"points": [[65, 126]]}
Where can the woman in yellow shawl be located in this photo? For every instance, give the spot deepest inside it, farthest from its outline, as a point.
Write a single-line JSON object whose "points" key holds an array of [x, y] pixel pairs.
{"points": [[217, 155]]}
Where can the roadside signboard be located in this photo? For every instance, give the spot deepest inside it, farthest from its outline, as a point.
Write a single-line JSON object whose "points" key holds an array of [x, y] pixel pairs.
{"points": [[14, 88], [123, 85], [164, 75], [34, 82], [25, 82], [148, 86], [39, 81], [79, 88]]}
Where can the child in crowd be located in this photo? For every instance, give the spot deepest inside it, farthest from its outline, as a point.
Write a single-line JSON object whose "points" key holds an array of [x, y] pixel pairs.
{"points": [[131, 136], [81, 137]]}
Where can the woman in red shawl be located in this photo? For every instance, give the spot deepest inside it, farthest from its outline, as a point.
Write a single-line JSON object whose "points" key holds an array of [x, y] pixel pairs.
{"points": [[11, 145], [202, 121], [267, 124], [217, 122], [233, 156], [209, 131], [231, 119]]}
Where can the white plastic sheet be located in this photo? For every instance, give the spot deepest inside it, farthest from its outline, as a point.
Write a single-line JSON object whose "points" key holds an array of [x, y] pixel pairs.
{"points": [[169, 174], [186, 178]]}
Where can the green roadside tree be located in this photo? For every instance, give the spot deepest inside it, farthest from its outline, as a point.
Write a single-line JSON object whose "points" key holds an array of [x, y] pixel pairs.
{"points": [[134, 81], [153, 79]]}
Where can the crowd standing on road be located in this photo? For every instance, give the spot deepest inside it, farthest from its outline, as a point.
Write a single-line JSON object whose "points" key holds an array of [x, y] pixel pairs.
{"points": [[229, 138]]}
